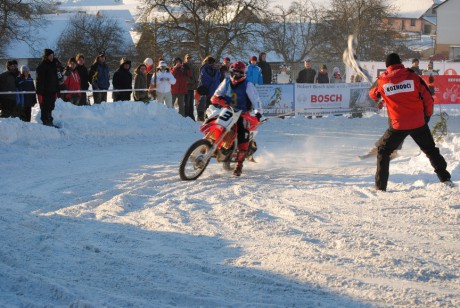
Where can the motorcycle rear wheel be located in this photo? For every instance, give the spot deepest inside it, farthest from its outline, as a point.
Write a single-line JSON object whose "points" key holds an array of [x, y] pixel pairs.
{"points": [[195, 160]]}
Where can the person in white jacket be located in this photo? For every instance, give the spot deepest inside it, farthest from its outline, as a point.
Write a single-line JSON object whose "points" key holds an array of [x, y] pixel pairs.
{"points": [[161, 83]]}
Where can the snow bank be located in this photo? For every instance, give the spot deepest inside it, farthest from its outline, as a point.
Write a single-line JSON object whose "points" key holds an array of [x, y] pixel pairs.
{"points": [[117, 120]]}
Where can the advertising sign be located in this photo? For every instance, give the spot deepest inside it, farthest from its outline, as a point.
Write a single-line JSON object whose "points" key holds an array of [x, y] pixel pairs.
{"points": [[446, 88], [277, 99]]}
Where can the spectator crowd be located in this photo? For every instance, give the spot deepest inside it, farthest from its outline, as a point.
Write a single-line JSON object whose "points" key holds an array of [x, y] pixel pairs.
{"points": [[184, 85]]}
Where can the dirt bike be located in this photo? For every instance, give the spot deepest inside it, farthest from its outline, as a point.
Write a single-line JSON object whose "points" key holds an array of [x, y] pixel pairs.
{"points": [[220, 142]]}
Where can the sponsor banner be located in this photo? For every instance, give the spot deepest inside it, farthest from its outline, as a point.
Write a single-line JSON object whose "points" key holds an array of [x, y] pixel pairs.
{"points": [[277, 98], [446, 88], [331, 98]]}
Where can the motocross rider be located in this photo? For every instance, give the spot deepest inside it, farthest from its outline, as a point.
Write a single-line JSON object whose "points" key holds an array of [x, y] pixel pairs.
{"points": [[240, 94]]}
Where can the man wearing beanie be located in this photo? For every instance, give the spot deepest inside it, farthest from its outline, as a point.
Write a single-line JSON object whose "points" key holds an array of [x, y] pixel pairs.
{"points": [[8, 83], [47, 86], [410, 106]]}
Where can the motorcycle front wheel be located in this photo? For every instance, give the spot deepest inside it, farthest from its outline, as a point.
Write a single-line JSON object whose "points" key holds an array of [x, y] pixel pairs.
{"points": [[195, 160]]}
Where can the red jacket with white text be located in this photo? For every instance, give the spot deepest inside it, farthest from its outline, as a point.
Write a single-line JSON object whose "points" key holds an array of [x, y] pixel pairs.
{"points": [[406, 95]]}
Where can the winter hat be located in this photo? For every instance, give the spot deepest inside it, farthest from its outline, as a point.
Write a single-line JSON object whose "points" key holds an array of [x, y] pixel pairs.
{"points": [[177, 60], [162, 64], [124, 61], [101, 54], [227, 59], [336, 70], [24, 68], [253, 58], [392, 58], [307, 60], [47, 52], [11, 62], [71, 60], [324, 67]]}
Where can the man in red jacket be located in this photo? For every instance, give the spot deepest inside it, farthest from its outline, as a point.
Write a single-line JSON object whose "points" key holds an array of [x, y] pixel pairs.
{"points": [[179, 89], [410, 106]]}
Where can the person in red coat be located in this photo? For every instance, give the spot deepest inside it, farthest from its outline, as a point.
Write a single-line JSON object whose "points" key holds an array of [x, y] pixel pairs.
{"points": [[410, 106], [72, 82], [179, 89]]}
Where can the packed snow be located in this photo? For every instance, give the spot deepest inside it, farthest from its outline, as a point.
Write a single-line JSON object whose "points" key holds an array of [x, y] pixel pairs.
{"points": [[94, 214]]}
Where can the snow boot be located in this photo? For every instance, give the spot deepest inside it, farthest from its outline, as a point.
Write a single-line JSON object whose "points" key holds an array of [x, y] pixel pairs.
{"points": [[448, 183]]}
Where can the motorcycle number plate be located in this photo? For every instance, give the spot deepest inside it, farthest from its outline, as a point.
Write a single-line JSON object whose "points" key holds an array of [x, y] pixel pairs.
{"points": [[225, 117]]}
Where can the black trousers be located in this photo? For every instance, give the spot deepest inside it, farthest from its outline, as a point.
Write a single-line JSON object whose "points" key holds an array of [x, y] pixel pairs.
{"points": [[190, 104], [83, 100], [46, 108], [99, 97], [8, 107], [390, 141], [26, 114]]}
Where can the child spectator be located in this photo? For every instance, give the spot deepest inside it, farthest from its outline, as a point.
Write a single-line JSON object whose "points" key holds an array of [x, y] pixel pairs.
{"points": [[72, 82], [25, 101]]}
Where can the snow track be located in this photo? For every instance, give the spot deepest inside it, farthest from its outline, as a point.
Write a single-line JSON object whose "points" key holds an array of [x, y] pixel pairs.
{"points": [[91, 221]]}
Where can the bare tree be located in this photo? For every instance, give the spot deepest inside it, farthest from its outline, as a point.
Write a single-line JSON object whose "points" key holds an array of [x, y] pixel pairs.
{"points": [[17, 17], [292, 32], [204, 27], [91, 34], [364, 18]]}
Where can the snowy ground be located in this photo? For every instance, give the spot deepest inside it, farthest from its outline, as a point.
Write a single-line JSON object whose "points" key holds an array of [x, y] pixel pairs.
{"points": [[94, 214]]}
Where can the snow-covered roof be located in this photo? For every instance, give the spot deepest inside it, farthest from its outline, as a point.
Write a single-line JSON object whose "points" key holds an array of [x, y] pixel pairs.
{"points": [[411, 8], [117, 14], [92, 6], [430, 19], [47, 34]]}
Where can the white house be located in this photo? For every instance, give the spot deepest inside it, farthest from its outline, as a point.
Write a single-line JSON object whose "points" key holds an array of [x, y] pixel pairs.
{"points": [[448, 37]]}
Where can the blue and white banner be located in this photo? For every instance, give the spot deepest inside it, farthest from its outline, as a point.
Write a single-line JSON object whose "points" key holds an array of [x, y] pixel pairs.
{"points": [[277, 98], [311, 99]]}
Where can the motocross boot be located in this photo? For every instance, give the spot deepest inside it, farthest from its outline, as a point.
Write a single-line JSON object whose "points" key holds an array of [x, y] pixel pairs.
{"points": [[239, 165], [240, 156], [238, 169]]}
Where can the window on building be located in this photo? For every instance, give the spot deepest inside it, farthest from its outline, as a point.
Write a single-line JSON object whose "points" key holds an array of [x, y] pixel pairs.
{"points": [[412, 22]]}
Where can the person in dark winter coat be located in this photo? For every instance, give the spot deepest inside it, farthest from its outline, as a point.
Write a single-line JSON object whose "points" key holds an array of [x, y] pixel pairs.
{"points": [[410, 106], [72, 82], [307, 75], [7, 84], [322, 76], [84, 78], [179, 89], [99, 77], [265, 67], [415, 67], [25, 101], [192, 81], [209, 81], [140, 82], [123, 80], [47, 86]]}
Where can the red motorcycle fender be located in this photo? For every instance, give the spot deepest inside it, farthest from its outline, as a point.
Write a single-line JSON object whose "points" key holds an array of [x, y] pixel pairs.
{"points": [[212, 129]]}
